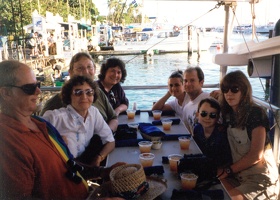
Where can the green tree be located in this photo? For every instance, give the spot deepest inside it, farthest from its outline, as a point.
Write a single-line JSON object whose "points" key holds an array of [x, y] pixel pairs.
{"points": [[17, 13], [121, 11]]}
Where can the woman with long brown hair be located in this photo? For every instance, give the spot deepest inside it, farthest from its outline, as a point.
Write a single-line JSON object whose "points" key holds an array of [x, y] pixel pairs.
{"points": [[254, 169]]}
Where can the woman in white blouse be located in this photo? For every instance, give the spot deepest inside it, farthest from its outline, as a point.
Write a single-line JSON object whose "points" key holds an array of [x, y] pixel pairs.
{"points": [[80, 122]]}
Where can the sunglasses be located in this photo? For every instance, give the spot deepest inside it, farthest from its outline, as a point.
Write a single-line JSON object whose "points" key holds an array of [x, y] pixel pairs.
{"points": [[233, 89], [29, 89], [211, 115], [79, 92]]}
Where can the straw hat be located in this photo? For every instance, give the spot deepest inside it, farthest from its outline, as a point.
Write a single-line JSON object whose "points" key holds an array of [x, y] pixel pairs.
{"points": [[129, 181]]}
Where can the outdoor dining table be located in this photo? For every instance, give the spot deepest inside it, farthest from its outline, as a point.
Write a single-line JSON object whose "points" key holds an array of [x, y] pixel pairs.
{"points": [[130, 154]]}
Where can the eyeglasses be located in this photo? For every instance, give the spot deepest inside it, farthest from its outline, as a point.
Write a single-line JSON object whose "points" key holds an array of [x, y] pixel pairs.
{"points": [[112, 97], [211, 115], [79, 92], [88, 68], [233, 89], [29, 89]]}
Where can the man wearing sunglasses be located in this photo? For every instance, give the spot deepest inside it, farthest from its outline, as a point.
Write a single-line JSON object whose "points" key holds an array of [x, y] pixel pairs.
{"points": [[35, 163], [193, 83]]}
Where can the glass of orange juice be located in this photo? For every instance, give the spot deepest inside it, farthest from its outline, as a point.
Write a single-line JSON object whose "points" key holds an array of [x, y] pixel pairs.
{"points": [[130, 114], [188, 180], [166, 124], [146, 159], [184, 142], [173, 161], [145, 146], [157, 114]]}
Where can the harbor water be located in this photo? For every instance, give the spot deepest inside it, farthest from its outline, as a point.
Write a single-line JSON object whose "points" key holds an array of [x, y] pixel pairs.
{"points": [[156, 70]]}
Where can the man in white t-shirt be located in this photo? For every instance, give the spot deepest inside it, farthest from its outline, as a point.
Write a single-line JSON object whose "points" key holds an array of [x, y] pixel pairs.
{"points": [[193, 82]]}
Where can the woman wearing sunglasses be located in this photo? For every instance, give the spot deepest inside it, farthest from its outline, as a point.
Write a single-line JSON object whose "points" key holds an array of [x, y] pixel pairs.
{"points": [[80, 122], [112, 73], [254, 169], [209, 135]]}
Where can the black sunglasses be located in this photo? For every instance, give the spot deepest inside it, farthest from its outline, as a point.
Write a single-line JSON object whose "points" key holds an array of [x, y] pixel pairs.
{"points": [[233, 89], [29, 89], [211, 115], [79, 92]]}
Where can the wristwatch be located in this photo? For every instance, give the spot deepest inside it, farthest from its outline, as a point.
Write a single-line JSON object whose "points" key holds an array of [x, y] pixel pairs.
{"points": [[228, 170]]}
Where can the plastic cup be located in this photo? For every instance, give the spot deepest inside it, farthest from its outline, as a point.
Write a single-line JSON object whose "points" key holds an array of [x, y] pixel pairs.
{"points": [[130, 114], [188, 180], [146, 159], [157, 114], [166, 124], [173, 160], [145, 146], [184, 142]]}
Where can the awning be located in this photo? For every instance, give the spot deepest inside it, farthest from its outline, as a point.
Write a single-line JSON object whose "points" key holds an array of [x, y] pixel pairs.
{"points": [[84, 27], [64, 25]]}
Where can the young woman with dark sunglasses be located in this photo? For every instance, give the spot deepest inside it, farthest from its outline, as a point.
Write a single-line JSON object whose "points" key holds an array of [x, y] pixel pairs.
{"points": [[254, 169], [210, 136], [80, 122]]}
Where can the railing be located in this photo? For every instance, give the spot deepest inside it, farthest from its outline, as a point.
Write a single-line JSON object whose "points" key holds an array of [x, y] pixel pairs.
{"points": [[265, 105]]}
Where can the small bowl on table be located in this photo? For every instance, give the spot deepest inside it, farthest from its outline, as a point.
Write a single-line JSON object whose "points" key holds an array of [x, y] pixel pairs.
{"points": [[156, 144]]}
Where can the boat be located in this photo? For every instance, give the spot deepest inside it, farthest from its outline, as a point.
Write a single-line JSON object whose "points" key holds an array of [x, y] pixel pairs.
{"points": [[264, 29], [166, 40]]}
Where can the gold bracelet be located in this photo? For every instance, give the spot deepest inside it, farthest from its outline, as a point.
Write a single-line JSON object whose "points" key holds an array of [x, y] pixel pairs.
{"points": [[102, 157]]}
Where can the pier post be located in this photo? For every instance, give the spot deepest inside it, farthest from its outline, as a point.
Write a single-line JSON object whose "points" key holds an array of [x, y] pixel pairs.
{"points": [[275, 93], [190, 48], [198, 42]]}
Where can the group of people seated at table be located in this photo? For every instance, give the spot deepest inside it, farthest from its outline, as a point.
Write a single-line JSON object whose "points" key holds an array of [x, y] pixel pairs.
{"points": [[229, 128], [50, 157]]}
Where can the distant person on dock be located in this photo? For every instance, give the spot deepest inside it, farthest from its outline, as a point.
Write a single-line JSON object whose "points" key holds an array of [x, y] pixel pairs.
{"points": [[32, 45], [112, 73], [175, 89], [193, 83], [83, 64], [80, 122], [254, 173], [52, 45]]}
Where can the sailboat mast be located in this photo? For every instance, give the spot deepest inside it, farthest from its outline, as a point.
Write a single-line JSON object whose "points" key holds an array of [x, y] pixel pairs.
{"points": [[143, 12]]}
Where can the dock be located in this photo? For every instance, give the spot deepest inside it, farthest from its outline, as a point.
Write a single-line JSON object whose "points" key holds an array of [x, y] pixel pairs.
{"points": [[95, 54]]}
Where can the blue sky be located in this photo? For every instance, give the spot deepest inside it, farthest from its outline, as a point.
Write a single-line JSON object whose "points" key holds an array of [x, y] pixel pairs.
{"points": [[183, 12]]}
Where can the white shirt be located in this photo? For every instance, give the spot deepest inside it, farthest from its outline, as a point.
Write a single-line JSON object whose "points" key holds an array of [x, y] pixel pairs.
{"points": [[190, 110], [176, 107], [78, 133]]}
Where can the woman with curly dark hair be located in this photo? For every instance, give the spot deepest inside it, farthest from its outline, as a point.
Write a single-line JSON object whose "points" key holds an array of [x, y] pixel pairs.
{"points": [[80, 122], [254, 170], [112, 73]]}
